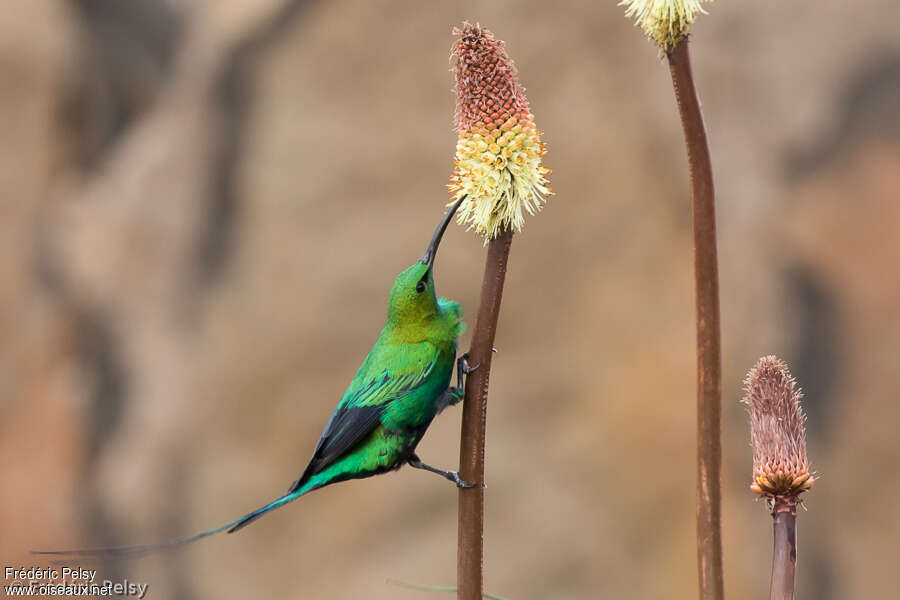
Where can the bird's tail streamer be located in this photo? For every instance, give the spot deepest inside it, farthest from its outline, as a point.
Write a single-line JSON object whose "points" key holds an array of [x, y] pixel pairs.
{"points": [[129, 552]]}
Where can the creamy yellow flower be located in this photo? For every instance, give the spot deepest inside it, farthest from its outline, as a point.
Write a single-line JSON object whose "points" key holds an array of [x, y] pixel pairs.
{"points": [[498, 156], [664, 21]]}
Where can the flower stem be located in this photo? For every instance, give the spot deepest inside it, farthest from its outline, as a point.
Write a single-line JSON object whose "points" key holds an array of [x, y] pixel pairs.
{"points": [[470, 553], [784, 556], [450, 589], [709, 361]]}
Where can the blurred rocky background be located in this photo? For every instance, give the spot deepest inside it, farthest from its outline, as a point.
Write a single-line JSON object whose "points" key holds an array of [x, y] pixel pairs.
{"points": [[204, 205]]}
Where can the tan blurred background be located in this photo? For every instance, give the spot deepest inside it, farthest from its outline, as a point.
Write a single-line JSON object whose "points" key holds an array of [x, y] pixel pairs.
{"points": [[204, 205]]}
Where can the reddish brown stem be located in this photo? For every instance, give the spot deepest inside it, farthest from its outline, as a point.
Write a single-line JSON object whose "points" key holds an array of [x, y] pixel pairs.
{"points": [[470, 553], [784, 556], [709, 361]]}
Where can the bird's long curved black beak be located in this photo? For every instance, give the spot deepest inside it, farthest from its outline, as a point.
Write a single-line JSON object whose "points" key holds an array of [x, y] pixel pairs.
{"points": [[431, 250]]}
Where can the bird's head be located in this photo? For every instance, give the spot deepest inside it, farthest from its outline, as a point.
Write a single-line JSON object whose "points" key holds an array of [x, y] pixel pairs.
{"points": [[413, 297]]}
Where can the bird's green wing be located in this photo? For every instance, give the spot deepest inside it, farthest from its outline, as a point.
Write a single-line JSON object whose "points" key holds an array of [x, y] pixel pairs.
{"points": [[359, 412]]}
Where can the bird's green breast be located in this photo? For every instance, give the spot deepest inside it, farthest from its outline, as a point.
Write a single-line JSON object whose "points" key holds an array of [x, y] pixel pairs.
{"points": [[425, 352]]}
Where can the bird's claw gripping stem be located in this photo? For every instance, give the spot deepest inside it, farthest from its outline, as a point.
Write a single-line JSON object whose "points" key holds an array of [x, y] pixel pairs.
{"points": [[462, 368], [453, 476]]}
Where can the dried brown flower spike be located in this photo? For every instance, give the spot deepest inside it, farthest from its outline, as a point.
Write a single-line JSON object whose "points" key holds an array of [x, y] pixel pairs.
{"points": [[780, 465], [777, 431]]}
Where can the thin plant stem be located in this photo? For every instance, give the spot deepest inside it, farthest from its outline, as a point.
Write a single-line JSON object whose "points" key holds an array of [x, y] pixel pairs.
{"points": [[709, 360], [784, 556], [450, 589], [470, 553]]}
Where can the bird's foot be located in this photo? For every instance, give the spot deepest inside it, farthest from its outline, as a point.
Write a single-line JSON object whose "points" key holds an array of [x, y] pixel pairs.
{"points": [[462, 368], [453, 476], [463, 364]]}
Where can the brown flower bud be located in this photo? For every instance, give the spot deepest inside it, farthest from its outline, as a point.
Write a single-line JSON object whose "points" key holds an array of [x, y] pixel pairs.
{"points": [[777, 431]]}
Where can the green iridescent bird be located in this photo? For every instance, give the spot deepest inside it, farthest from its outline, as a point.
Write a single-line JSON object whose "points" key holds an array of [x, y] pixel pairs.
{"points": [[401, 386]]}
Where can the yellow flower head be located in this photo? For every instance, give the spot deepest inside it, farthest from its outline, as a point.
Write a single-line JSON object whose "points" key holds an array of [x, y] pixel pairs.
{"points": [[664, 21], [498, 156]]}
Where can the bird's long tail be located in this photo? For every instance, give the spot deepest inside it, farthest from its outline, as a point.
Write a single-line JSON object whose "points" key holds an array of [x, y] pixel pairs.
{"points": [[139, 551]]}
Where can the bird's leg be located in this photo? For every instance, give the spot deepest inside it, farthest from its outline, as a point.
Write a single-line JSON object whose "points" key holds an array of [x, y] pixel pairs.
{"points": [[462, 368], [453, 476]]}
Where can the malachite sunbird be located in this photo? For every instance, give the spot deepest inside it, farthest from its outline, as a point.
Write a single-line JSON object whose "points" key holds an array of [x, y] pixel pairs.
{"points": [[401, 386]]}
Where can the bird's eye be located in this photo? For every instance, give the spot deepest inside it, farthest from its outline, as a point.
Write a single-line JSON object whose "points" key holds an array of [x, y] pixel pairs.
{"points": [[420, 287]]}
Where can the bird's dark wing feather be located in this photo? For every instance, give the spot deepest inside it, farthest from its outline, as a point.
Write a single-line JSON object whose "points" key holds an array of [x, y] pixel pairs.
{"points": [[357, 415], [348, 427]]}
